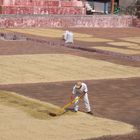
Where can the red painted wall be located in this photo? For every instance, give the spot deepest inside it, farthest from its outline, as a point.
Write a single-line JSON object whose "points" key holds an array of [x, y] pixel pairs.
{"points": [[1, 2], [73, 7]]}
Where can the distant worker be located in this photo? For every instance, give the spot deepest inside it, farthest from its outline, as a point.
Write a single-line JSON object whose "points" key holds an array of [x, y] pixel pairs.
{"points": [[65, 34], [68, 37], [89, 9], [80, 90]]}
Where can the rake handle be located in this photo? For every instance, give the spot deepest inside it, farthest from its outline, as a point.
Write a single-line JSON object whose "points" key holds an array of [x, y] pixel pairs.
{"points": [[71, 102]]}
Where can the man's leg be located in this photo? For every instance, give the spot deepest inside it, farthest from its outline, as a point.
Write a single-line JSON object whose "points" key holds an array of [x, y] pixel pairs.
{"points": [[86, 102], [76, 104]]}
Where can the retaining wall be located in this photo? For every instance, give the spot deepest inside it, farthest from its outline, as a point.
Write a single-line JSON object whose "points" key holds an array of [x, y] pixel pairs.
{"points": [[56, 21], [136, 23]]}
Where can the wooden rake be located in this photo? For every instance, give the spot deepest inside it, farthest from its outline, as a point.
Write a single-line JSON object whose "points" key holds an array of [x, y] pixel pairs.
{"points": [[63, 109]]}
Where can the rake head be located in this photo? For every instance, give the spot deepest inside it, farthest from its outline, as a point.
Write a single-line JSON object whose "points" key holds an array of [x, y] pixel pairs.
{"points": [[60, 112], [52, 114]]}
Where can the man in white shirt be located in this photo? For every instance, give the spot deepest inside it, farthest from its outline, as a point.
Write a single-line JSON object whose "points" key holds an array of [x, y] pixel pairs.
{"points": [[80, 90], [68, 37]]}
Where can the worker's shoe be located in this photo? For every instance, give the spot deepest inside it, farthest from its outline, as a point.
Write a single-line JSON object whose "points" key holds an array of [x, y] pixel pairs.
{"points": [[74, 110], [90, 113]]}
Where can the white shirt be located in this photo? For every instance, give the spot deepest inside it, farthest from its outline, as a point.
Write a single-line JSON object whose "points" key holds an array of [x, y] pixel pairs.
{"points": [[82, 89], [69, 37]]}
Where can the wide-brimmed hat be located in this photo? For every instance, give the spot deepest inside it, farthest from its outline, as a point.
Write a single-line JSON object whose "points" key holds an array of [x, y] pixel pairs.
{"points": [[78, 84]]}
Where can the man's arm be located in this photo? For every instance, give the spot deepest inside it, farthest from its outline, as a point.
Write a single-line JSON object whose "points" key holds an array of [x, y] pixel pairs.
{"points": [[82, 93]]}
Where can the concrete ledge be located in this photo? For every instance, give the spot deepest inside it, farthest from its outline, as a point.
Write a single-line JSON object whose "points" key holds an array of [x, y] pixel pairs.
{"points": [[60, 21], [136, 23]]}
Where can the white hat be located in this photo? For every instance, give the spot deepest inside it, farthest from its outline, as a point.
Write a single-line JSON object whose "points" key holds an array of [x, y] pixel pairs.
{"points": [[78, 85]]}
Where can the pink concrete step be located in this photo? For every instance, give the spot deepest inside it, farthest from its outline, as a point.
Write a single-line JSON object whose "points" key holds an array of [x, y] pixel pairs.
{"points": [[1, 2], [29, 2], [42, 10], [38, 3], [72, 3], [67, 4]]}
